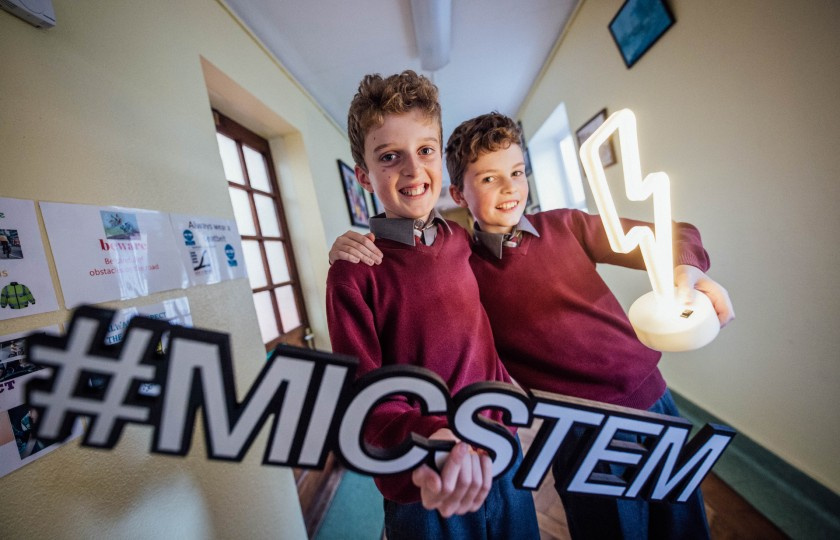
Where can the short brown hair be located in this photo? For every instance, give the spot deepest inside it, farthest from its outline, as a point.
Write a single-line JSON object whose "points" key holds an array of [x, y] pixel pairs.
{"points": [[477, 136], [378, 97]]}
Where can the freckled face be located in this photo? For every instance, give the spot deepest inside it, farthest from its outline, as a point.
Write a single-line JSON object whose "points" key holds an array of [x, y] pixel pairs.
{"points": [[403, 158], [495, 189]]}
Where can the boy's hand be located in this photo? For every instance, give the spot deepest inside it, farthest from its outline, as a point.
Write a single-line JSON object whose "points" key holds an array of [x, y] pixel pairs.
{"points": [[690, 278], [463, 483], [354, 247]]}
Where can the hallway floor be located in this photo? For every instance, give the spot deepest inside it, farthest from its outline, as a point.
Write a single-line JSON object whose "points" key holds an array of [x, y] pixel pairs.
{"points": [[730, 516]]}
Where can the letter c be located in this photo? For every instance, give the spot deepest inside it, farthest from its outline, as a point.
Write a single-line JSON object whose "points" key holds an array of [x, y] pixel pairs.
{"points": [[429, 390]]}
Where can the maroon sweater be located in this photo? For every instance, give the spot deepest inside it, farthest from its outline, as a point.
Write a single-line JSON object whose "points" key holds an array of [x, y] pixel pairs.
{"points": [[557, 325], [419, 307]]}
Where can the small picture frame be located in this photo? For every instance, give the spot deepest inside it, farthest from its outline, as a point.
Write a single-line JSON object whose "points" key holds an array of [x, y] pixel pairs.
{"points": [[606, 151], [638, 25], [354, 194], [378, 207], [524, 145]]}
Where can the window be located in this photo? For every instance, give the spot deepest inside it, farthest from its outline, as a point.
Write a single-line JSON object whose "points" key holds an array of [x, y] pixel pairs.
{"points": [[258, 209], [556, 165]]}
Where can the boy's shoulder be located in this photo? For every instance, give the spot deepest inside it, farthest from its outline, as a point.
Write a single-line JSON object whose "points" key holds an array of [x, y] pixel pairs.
{"points": [[456, 239], [553, 219], [349, 274], [458, 230]]}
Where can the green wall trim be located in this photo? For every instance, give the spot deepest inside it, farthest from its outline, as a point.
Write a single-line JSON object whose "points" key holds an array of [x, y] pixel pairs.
{"points": [[795, 502]]}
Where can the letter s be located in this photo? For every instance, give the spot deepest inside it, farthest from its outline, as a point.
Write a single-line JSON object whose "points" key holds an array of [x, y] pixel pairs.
{"points": [[479, 430]]}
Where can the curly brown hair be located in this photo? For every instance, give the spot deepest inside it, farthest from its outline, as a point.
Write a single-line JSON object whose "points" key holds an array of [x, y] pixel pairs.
{"points": [[477, 136], [378, 97]]}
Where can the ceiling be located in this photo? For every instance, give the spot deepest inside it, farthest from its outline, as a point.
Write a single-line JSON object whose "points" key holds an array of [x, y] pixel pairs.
{"points": [[498, 48]]}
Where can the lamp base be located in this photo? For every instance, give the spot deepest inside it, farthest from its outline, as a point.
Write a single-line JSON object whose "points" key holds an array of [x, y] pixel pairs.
{"points": [[674, 327]]}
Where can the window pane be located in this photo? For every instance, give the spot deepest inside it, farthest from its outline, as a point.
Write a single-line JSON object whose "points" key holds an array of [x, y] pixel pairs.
{"points": [[267, 215], [265, 315], [254, 264], [288, 308], [257, 172], [230, 159], [277, 262], [242, 212]]}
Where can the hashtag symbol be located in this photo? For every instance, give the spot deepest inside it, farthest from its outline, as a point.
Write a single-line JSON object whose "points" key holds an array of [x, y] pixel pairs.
{"points": [[80, 359]]}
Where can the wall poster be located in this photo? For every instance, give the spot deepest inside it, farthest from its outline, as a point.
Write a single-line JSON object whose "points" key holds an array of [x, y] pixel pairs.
{"points": [[210, 248], [111, 253], [19, 445], [26, 287]]}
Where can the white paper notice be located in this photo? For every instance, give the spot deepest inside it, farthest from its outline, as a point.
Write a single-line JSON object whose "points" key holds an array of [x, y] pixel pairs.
{"points": [[26, 287], [174, 311], [18, 446], [110, 253], [210, 248]]}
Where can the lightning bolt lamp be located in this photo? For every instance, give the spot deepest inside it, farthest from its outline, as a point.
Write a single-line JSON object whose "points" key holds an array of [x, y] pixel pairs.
{"points": [[660, 320]]}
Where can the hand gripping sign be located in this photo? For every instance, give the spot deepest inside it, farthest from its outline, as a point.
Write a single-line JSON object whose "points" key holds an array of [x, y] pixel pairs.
{"points": [[316, 406]]}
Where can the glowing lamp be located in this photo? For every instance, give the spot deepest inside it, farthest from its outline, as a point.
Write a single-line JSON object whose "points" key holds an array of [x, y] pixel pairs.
{"points": [[661, 322]]}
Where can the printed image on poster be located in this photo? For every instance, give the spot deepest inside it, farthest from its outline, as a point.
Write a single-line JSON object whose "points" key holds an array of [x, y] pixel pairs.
{"points": [[210, 248], [26, 287], [112, 253], [13, 362], [18, 445]]}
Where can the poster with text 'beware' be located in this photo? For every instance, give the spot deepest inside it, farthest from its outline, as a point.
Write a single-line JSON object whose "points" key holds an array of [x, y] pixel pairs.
{"points": [[26, 287], [18, 445], [210, 248], [111, 253]]}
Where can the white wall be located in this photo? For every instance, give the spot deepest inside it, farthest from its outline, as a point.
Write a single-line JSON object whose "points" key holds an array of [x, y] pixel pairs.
{"points": [[738, 104], [112, 107]]}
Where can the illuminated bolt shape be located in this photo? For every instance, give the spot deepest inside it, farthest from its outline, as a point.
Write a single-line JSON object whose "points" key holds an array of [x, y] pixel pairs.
{"points": [[661, 322]]}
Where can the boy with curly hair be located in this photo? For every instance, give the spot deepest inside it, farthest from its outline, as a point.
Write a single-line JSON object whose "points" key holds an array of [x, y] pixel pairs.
{"points": [[420, 307]]}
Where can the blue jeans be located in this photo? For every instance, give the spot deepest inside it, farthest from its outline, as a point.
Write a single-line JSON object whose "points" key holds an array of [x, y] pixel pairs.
{"points": [[592, 516], [507, 514]]}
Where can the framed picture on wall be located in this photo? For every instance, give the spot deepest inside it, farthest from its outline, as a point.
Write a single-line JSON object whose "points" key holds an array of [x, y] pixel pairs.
{"points": [[378, 207], [524, 145], [638, 25], [354, 194], [607, 151]]}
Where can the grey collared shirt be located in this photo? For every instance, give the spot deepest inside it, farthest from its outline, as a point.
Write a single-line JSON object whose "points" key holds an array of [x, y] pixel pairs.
{"points": [[496, 242], [404, 230]]}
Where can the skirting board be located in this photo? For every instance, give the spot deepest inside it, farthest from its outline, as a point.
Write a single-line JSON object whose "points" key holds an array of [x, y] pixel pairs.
{"points": [[795, 502]]}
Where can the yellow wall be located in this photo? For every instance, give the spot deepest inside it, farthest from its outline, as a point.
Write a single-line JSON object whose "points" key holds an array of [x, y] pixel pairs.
{"points": [[112, 107], [738, 104]]}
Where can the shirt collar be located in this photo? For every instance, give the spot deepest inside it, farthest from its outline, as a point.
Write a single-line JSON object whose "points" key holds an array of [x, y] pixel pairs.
{"points": [[402, 229], [495, 242]]}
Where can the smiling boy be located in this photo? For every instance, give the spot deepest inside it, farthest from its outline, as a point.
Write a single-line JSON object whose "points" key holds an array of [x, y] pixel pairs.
{"points": [[420, 307], [570, 336]]}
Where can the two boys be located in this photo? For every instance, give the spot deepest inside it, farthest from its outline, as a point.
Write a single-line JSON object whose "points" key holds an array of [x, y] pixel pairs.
{"points": [[572, 337], [420, 307]]}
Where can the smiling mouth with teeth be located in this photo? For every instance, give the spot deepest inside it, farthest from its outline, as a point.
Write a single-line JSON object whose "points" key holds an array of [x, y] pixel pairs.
{"points": [[414, 191], [508, 205]]}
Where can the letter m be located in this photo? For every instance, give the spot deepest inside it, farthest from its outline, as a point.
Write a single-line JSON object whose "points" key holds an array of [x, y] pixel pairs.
{"points": [[199, 374], [692, 462]]}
